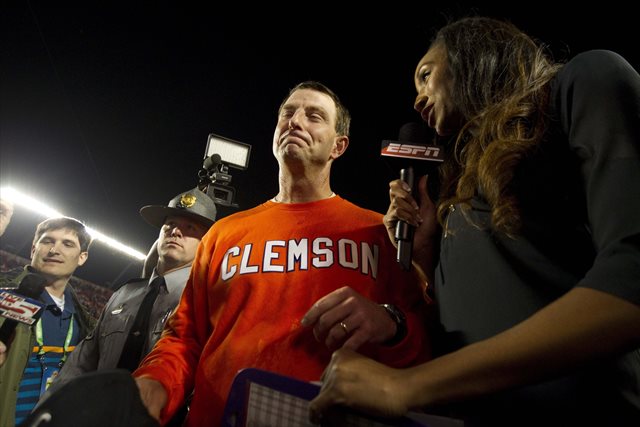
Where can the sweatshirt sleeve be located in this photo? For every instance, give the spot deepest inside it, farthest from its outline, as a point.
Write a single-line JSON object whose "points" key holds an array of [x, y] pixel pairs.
{"points": [[408, 293]]}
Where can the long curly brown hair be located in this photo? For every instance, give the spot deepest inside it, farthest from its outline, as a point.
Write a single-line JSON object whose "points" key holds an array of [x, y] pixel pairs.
{"points": [[501, 86]]}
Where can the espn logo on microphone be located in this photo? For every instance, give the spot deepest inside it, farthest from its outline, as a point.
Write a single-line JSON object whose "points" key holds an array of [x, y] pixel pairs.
{"points": [[412, 151]]}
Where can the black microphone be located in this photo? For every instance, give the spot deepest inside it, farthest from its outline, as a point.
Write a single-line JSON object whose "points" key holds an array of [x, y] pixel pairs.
{"points": [[412, 152], [211, 162], [209, 169], [21, 305]]}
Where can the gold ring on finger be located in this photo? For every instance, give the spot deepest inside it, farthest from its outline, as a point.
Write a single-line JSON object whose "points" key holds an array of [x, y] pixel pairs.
{"points": [[344, 328]]}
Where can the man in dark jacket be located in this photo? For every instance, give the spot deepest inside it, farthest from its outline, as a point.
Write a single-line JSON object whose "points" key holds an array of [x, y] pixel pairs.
{"points": [[36, 353]]}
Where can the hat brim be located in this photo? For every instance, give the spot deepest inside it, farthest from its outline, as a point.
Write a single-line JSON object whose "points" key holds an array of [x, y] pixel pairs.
{"points": [[156, 214]]}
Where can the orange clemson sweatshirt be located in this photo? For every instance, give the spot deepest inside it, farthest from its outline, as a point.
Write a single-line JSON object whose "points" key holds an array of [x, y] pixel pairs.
{"points": [[255, 275]]}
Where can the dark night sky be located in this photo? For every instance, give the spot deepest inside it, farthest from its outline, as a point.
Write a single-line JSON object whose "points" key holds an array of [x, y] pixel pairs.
{"points": [[106, 107]]}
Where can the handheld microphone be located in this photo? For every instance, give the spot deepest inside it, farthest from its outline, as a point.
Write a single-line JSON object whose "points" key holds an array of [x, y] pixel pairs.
{"points": [[21, 305], [412, 152]]}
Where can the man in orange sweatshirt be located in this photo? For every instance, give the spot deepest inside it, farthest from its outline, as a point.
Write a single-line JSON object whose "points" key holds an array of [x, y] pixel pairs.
{"points": [[280, 286]]}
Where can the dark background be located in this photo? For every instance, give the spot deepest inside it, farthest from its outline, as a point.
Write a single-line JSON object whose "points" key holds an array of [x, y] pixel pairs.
{"points": [[106, 106]]}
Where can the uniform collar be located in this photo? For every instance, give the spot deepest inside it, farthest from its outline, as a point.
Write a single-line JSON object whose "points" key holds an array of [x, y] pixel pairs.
{"points": [[174, 280]]}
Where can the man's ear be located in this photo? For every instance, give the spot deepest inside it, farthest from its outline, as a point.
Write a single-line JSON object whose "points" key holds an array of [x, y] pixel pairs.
{"points": [[340, 146], [83, 258]]}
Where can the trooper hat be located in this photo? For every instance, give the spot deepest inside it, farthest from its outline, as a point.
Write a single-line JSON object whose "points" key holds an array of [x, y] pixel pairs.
{"points": [[193, 204]]}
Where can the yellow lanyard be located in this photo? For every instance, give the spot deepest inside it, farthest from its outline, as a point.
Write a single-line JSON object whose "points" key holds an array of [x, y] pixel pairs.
{"points": [[67, 340]]}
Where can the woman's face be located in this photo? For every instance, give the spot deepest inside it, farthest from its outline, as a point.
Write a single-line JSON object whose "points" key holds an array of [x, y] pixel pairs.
{"points": [[434, 84]]}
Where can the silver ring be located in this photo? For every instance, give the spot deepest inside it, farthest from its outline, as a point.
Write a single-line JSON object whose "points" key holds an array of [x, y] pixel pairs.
{"points": [[344, 328]]}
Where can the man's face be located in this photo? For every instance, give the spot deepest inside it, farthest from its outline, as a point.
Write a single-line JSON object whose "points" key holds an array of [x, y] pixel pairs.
{"points": [[57, 253], [178, 241], [306, 129], [6, 211]]}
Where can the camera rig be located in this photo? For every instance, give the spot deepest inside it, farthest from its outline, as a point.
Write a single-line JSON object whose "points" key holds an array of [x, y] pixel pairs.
{"points": [[214, 178]]}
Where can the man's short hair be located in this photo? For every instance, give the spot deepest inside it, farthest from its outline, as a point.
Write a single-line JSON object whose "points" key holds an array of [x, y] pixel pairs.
{"points": [[65, 222], [343, 118]]}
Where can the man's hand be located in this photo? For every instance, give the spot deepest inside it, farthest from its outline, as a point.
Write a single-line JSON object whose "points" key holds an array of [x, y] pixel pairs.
{"points": [[3, 353], [153, 395], [346, 318]]}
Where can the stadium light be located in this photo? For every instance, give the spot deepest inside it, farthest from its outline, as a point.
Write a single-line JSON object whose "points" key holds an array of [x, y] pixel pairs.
{"points": [[32, 204]]}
